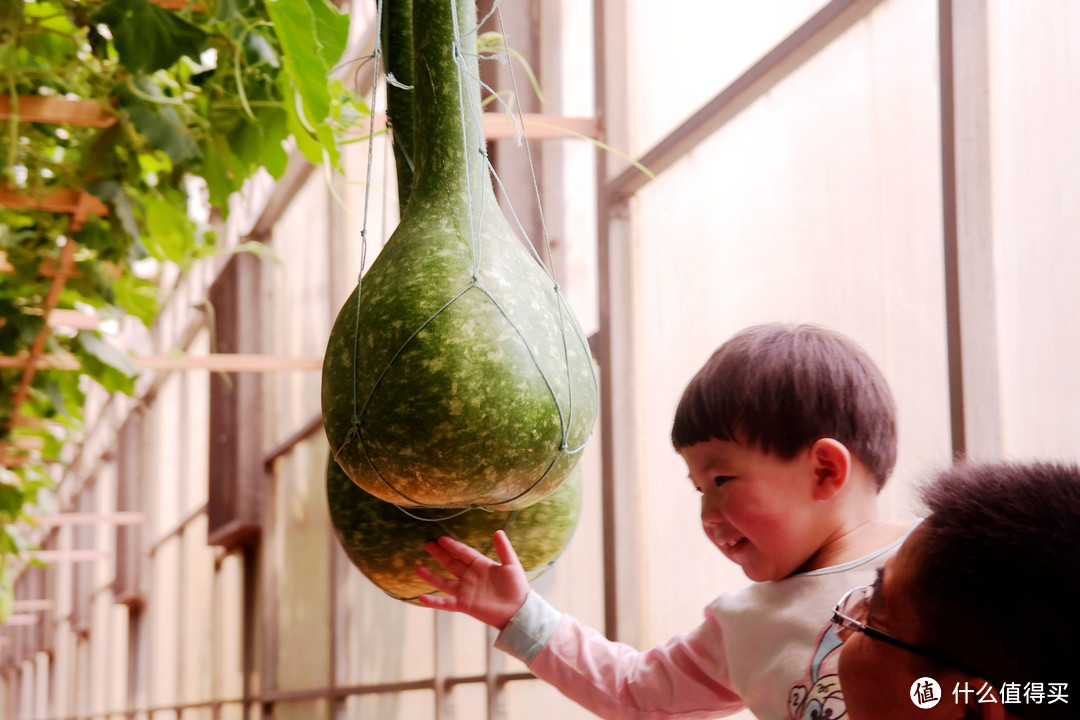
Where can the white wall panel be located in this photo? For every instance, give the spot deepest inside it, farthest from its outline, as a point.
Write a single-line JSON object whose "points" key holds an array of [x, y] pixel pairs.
{"points": [[299, 552], [1035, 101], [819, 203], [682, 55]]}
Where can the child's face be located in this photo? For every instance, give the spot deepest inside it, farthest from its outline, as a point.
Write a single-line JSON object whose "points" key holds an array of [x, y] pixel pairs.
{"points": [[755, 507]]}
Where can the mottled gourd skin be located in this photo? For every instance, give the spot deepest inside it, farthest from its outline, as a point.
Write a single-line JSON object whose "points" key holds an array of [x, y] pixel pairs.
{"points": [[473, 409], [386, 544], [473, 382]]}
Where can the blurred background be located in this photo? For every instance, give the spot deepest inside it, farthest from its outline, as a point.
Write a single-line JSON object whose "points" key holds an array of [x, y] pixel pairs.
{"points": [[904, 171]]}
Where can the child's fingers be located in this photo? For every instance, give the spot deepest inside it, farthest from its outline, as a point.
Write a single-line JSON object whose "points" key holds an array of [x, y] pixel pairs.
{"points": [[466, 554], [505, 549], [446, 558], [438, 602], [437, 581]]}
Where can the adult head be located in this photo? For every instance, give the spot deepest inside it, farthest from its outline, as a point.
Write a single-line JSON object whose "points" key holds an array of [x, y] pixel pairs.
{"points": [[984, 592]]}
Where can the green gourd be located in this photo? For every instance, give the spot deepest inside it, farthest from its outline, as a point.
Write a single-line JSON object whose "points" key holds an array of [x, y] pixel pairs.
{"points": [[456, 374], [387, 543]]}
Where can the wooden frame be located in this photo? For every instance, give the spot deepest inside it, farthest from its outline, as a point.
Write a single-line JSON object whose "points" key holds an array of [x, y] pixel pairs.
{"points": [[174, 4], [80, 205], [968, 229], [82, 574], [217, 362], [234, 508], [119, 518], [20, 606], [57, 110], [67, 260], [47, 268], [81, 555], [503, 126], [74, 319], [131, 466]]}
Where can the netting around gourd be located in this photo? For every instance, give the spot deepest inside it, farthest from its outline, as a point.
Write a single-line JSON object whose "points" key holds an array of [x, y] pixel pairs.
{"points": [[387, 545], [521, 307]]}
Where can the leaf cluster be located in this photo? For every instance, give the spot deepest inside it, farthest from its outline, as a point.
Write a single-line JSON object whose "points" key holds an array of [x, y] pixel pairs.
{"points": [[203, 97]]}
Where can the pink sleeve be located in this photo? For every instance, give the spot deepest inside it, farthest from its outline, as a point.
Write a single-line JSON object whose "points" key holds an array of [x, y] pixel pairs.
{"points": [[682, 678]]}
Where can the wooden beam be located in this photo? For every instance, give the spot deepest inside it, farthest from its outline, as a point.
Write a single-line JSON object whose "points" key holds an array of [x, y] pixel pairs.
{"points": [[41, 108], [971, 294], [66, 555], [501, 126], [46, 269], [223, 362], [21, 619], [74, 319], [80, 205], [218, 362], [21, 606], [792, 53], [537, 126], [67, 258], [41, 362], [174, 4], [39, 423], [10, 461], [178, 5], [77, 518], [26, 442]]}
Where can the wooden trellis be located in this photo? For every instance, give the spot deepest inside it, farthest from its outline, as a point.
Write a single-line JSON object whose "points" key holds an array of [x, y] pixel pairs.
{"points": [[81, 205]]}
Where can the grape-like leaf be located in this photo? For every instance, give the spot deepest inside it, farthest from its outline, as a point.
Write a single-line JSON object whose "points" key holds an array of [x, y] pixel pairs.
{"points": [[106, 363], [313, 35], [149, 37]]}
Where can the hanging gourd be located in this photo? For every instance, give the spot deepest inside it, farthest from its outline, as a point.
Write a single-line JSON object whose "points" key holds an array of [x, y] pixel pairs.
{"points": [[455, 374], [387, 544]]}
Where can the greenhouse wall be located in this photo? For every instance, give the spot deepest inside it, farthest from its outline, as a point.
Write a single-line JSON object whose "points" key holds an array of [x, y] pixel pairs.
{"points": [[836, 195]]}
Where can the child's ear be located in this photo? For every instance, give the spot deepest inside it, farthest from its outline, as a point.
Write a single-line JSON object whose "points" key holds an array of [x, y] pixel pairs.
{"points": [[831, 464]]}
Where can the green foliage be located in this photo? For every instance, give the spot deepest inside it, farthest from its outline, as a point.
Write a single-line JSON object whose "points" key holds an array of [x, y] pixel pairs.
{"points": [[313, 36], [210, 91], [18, 491], [148, 37], [110, 367]]}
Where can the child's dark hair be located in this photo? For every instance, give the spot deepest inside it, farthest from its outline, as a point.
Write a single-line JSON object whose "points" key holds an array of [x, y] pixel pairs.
{"points": [[781, 388]]}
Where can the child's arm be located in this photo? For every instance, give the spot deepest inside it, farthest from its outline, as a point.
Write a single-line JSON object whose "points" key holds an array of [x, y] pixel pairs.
{"points": [[488, 591], [684, 678]]}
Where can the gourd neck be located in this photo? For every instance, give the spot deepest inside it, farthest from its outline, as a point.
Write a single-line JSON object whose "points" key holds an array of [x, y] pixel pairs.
{"points": [[397, 44], [449, 149]]}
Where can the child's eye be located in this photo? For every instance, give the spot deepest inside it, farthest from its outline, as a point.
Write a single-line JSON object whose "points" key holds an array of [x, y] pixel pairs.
{"points": [[721, 479]]}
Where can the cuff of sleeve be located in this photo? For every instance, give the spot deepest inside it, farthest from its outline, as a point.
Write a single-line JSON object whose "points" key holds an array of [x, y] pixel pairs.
{"points": [[530, 629]]}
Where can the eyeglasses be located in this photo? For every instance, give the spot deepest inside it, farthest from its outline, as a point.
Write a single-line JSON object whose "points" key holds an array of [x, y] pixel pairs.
{"points": [[850, 617]]}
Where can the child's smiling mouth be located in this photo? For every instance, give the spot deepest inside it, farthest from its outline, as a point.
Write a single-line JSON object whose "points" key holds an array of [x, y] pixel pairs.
{"points": [[732, 543]]}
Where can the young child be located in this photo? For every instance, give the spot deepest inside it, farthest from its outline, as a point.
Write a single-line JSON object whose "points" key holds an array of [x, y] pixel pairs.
{"points": [[789, 434]]}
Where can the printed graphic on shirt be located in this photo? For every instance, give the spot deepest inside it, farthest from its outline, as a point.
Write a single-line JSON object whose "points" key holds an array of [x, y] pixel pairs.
{"points": [[819, 696]]}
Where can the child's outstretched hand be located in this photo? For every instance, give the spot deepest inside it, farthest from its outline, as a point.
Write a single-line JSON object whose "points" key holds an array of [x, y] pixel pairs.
{"points": [[488, 591]]}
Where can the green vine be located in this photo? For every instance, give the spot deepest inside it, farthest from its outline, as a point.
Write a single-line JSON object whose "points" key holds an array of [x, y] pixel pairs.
{"points": [[210, 91]]}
